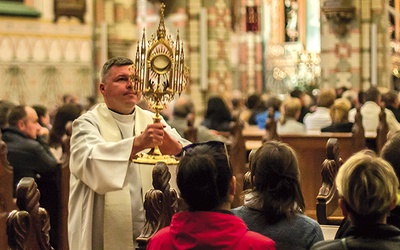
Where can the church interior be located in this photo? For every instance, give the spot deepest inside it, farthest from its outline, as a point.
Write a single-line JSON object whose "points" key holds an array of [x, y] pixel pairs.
{"points": [[233, 48], [50, 48]]}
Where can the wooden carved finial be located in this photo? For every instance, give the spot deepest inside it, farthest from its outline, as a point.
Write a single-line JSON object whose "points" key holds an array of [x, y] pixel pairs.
{"points": [[30, 225], [270, 127], [382, 130], [358, 131], [160, 204]]}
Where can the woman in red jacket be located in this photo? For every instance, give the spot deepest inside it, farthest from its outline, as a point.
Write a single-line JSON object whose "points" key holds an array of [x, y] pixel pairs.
{"points": [[207, 186]]}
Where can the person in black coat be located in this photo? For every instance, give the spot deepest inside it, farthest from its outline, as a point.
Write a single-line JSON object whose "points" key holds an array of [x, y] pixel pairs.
{"points": [[29, 157]]}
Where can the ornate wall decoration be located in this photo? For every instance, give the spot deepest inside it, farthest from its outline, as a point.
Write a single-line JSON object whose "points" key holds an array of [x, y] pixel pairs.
{"points": [[51, 85], [15, 88], [48, 56]]}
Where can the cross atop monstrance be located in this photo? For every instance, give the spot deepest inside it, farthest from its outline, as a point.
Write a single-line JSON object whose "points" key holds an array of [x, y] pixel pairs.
{"points": [[159, 73]]}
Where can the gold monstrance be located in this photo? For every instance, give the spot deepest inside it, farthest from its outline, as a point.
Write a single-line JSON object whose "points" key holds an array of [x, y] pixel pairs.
{"points": [[159, 73]]}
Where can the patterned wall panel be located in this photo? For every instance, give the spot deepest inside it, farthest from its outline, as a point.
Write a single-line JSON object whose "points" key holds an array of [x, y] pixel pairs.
{"points": [[41, 60], [346, 61]]}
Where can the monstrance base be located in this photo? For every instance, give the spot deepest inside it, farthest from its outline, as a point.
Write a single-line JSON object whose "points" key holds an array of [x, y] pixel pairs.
{"points": [[153, 159]]}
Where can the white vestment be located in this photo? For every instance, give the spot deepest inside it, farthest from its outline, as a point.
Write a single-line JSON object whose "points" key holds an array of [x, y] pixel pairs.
{"points": [[99, 166]]}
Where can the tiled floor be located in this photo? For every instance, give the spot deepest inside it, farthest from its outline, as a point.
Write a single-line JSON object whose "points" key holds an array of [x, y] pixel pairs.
{"points": [[329, 231]]}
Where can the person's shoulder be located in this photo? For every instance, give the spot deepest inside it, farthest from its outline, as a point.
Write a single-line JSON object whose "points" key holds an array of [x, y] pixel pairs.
{"points": [[237, 210], [15, 135], [307, 220], [308, 116], [90, 116], [254, 240], [161, 240], [326, 245]]}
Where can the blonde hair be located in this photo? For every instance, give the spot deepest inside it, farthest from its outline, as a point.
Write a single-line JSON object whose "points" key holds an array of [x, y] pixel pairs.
{"points": [[326, 98], [289, 108], [368, 186], [340, 110]]}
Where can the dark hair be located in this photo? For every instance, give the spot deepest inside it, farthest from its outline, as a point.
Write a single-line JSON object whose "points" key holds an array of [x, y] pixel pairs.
{"points": [[372, 94], [254, 101], [64, 114], [276, 181], [115, 61], [203, 175], [5, 108], [17, 113], [274, 102], [297, 93], [41, 112], [217, 110], [390, 98]]}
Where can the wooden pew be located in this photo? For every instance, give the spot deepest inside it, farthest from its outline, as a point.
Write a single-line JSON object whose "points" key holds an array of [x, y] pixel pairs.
{"points": [[238, 159], [328, 211], [270, 127], [382, 131], [311, 152], [28, 226], [160, 204], [254, 136], [7, 203]]}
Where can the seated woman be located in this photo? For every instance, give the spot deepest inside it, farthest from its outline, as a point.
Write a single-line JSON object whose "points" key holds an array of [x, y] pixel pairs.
{"points": [[44, 121], [275, 205], [206, 184], [339, 113], [287, 122], [67, 113], [367, 187], [218, 115]]}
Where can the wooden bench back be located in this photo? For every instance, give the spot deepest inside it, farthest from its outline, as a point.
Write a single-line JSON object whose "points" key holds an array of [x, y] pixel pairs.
{"points": [[311, 153], [28, 226], [382, 131], [328, 211], [238, 159], [7, 203], [160, 204]]}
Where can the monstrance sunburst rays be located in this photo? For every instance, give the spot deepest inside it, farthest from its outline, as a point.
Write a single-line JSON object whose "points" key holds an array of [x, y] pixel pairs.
{"points": [[159, 73]]}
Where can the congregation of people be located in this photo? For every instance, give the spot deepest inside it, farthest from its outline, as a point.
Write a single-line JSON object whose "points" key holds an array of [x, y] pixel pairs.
{"points": [[106, 201]]}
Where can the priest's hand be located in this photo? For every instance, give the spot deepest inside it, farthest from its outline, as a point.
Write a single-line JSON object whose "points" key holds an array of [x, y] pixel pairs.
{"points": [[170, 146]]}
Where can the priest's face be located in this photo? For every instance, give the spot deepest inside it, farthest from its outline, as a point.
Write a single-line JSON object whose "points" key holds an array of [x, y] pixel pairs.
{"points": [[118, 92]]}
